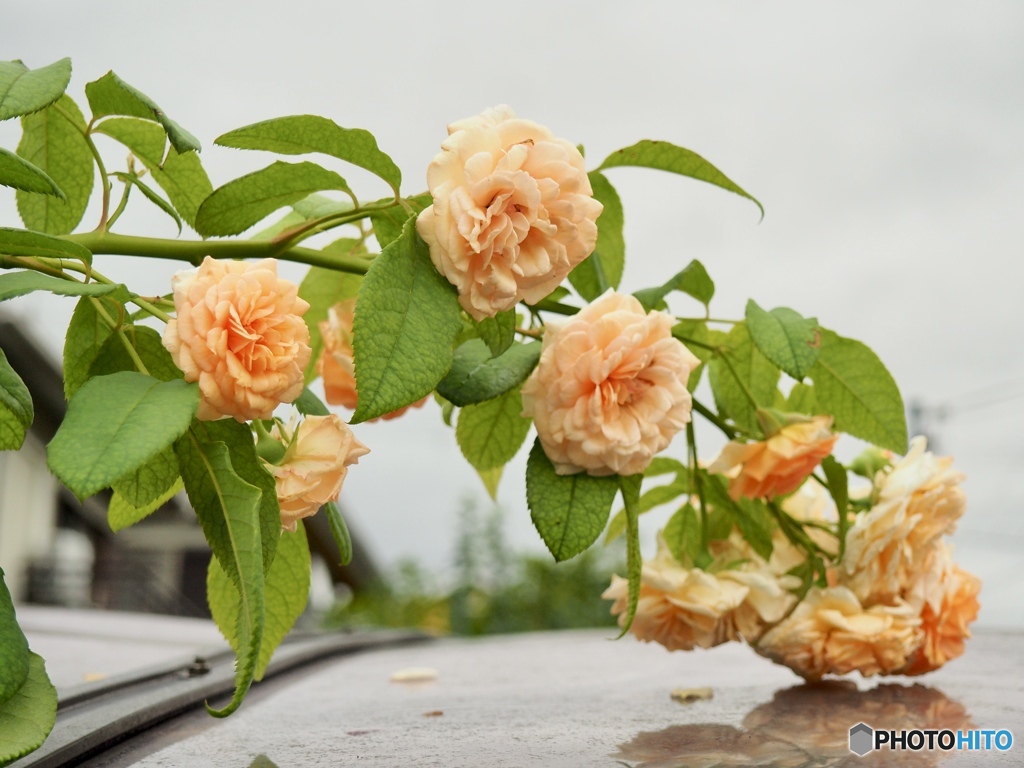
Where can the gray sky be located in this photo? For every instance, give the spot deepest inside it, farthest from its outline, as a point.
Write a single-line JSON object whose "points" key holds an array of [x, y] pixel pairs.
{"points": [[883, 139]]}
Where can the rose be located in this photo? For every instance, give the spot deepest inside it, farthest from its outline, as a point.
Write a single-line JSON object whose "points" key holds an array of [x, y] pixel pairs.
{"points": [[239, 332], [512, 211], [314, 466], [336, 365], [830, 632], [945, 617], [778, 465], [610, 390]]}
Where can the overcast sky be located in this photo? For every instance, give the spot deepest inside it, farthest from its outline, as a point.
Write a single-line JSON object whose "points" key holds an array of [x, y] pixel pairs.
{"points": [[883, 139]]}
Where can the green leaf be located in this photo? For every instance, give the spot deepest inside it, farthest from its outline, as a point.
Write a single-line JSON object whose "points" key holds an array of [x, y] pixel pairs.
{"points": [[115, 424], [227, 508], [603, 268], [785, 337], [180, 175], [838, 488], [750, 515], [16, 409], [286, 594], [150, 194], [693, 280], [21, 242], [656, 496], [322, 289], [668, 157], [20, 283], [21, 174], [476, 376], [14, 655], [682, 534], [491, 478], [388, 223], [308, 404], [148, 344], [630, 486], [53, 140], [802, 400], [568, 511], [340, 532], [491, 433], [150, 481], [27, 717], [302, 134], [851, 383], [122, 513], [407, 317], [239, 204], [110, 95], [691, 331], [246, 463], [86, 333], [497, 332], [756, 372], [24, 90]]}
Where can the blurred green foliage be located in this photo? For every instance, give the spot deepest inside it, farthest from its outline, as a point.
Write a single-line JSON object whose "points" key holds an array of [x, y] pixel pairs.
{"points": [[494, 590]]}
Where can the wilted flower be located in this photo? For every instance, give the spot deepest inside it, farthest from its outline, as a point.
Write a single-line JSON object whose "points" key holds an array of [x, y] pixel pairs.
{"points": [[778, 465], [609, 391], [314, 466], [239, 332], [513, 211]]}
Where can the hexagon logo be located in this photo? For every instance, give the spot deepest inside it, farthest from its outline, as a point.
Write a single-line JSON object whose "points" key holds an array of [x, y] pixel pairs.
{"points": [[862, 739]]}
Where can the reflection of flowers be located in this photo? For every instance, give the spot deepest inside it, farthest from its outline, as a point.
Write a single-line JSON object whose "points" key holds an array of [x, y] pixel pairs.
{"points": [[778, 465], [803, 725], [513, 211], [609, 391], [239, 332]]}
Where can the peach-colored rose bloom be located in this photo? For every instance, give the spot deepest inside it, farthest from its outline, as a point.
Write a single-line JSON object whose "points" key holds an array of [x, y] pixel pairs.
{"points": [[609, 391], [239, 332], [336, 365], [945, 625], [919, 501], [830, 632], [513, 211], [314, 466], [778, 465]]}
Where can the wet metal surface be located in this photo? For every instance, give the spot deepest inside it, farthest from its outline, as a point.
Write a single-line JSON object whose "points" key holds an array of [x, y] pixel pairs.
{"points": [[577, 699]]}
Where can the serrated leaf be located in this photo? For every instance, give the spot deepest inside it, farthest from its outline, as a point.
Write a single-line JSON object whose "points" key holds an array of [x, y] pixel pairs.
{"points": [[852, 384], [110, 95], [86, 333], [286, 594], [147, 343], [568, 511], [14, 655], [490, 434], [802, 400], [838, 488], [24, 90], [785, 337], [656, 496], [756, 372], [147, 192], [497, 332], [603, 268], [20, 174], [323, 288], [302, 134], [630, 486], [27, 717], [227, 508], [476, 376], [16, 409], [682, 534], [388, 223], [693, 280], [21, 242], [339, 531], [115, 424], [180, 175], [407, 316], [153, 480], [665, 156], [749, 515], [247, 200], [20, 283], [122, 513], [53, 141], [491, 478], [308, 404]]}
